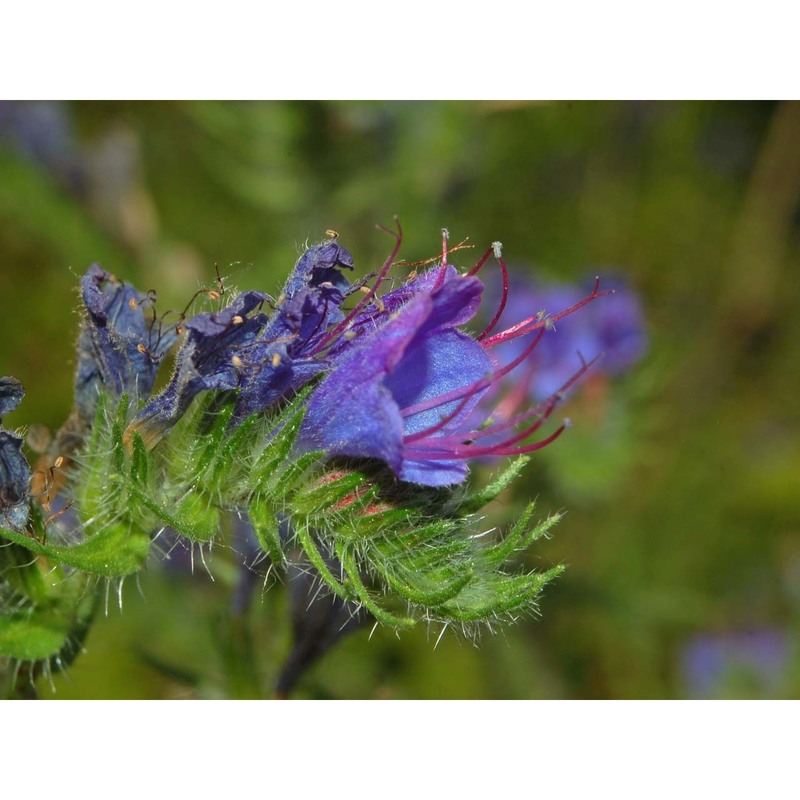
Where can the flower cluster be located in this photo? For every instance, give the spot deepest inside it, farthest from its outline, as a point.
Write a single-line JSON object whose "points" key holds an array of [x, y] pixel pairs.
{"points": [[336, 421], [403, 379]]}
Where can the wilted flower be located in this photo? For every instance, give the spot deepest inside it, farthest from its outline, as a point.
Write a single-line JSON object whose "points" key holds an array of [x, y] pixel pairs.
{"points": [[121, 344], [15, 473], [264, 357]]}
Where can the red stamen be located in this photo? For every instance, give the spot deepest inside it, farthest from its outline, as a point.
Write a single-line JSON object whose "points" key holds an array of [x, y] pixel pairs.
{"points": [[423, 453], [537, 322], [490, 327], [542, 411], [481, 262]]}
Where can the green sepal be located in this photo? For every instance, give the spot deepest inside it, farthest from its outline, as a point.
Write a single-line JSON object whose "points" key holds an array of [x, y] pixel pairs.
{"points": [[139, 461], [266, 528], [114, 551], [473, 503]]}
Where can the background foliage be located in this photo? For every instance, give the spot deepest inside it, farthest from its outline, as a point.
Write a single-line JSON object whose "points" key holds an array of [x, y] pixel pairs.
{"points": [[681, 481]]}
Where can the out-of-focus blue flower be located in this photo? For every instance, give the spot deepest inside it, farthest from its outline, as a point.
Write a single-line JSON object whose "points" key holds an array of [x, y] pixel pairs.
{"points": [[121, 346], [43, 133], [613, 329], [710, 662], [15, 472], [264, 357]]}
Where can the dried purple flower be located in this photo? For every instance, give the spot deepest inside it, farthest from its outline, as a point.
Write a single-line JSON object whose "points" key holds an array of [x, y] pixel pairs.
{"points": [[263, 357], [121, 346], [15, 472]]}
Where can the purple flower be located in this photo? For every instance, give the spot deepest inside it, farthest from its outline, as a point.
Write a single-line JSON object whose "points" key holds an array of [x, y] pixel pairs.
{"points": [[263, 357], [385, 392], [15, 472], [405, 385], [121, 346]]}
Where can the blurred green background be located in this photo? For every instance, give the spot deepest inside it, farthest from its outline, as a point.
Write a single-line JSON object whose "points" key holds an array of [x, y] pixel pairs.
{"points": [[681, 480]]}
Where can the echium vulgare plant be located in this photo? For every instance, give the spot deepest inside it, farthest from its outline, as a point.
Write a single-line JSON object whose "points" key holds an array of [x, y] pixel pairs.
{"points": [[336, 420]]}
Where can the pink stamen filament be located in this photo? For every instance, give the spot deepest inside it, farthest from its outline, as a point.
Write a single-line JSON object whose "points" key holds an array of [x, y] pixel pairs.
{"points": [[537, 322], [481, 262], [490, 327], [424, 453], [472, 388], [542, 411]]}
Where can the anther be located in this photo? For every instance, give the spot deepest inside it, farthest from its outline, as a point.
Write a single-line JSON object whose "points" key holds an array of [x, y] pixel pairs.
{"points": [[141, 348], [237, 320], [133, 304], [59, 462], [276, 359], [332, 234], [380, 305], [237, 362], [497, 249], [213, 294]]}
